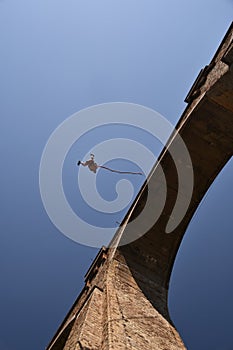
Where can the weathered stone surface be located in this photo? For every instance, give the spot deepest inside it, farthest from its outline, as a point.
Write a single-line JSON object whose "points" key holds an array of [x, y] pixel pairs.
{"points": [[124, 302], [131, 319]]}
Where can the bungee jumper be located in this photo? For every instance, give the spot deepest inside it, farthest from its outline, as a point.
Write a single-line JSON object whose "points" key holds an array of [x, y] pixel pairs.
{"points": [[94, 166]]}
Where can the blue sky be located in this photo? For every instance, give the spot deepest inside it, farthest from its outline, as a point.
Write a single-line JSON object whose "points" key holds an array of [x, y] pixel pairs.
{"points": [[57, 58]]}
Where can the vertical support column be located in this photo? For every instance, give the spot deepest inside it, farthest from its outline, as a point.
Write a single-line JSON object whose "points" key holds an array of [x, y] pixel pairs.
{"points": [[86, 332], [130, 320]]}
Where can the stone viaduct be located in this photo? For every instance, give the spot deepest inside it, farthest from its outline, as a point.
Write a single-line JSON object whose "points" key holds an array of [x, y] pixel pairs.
{"points": [[123, 304]]}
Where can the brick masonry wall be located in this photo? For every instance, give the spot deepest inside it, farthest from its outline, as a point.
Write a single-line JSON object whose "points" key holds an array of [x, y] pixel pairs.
{"points": [[131, 320]]}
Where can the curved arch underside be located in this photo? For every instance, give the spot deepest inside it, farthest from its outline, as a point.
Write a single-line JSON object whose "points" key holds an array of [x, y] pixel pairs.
{"points": [[207, 130]]}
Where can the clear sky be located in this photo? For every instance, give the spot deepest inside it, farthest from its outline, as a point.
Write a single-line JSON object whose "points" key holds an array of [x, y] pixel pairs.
{"points": [[58, 57]]}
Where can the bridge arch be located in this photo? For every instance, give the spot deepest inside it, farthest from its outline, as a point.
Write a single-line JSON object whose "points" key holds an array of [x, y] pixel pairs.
{"points": [[126, 290], [206, 127], [201, 287]]}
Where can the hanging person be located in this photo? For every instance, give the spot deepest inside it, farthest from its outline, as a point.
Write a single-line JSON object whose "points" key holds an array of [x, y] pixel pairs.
{"points": [[94, 166], [90, 163]]}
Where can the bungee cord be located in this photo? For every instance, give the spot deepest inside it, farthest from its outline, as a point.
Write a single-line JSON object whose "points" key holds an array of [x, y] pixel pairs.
{"points": [[94, 166]]}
